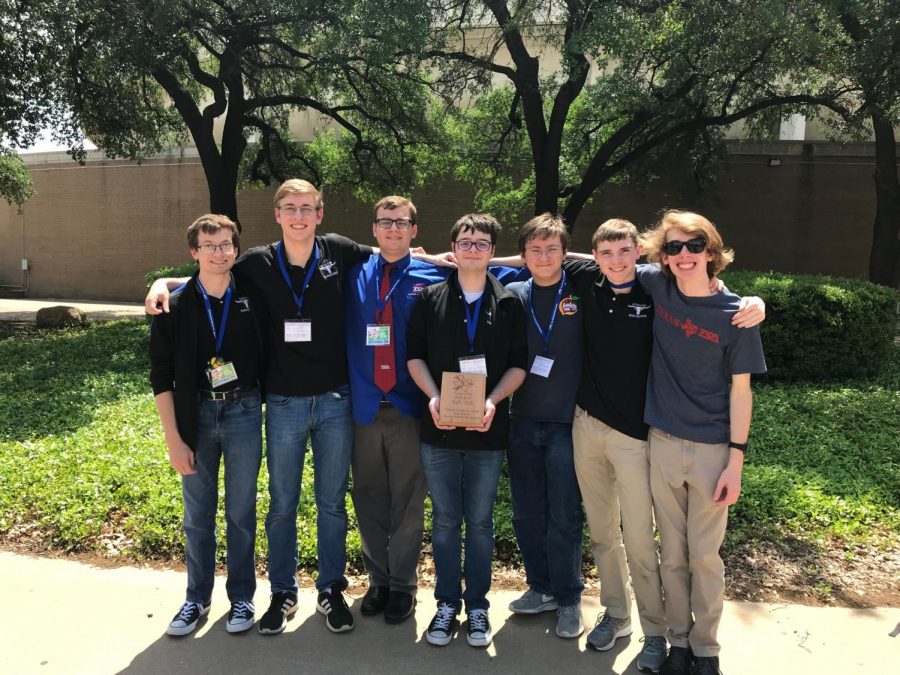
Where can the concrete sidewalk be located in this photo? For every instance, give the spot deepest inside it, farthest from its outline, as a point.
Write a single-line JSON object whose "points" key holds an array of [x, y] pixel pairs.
{"points": [[16, 309], [69, 618]]}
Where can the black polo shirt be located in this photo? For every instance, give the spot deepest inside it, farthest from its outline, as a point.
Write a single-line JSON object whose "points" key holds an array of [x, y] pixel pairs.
{"points": [[320, 365], [437, 335], [618, 338]]}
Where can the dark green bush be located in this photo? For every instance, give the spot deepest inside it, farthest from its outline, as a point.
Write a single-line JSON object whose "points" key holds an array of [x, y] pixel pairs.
{"points": [[821, 328], [176, 271]]}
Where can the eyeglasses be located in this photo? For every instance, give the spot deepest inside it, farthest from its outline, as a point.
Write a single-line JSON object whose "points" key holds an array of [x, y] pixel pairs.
{"points": [[225, 247], [387, 223], [674, 247], [467, 245], [551, 252], [294, 210]]}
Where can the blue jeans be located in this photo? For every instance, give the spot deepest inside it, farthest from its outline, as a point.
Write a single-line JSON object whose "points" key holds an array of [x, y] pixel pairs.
{"points": [[290, 420], [231, 430], [547, 515], [463, 487]]}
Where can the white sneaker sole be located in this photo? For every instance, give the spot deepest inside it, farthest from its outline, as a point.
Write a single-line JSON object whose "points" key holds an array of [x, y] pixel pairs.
{"points": [[479, 642], [567, 634], [181, 631], [438, 640], [240, 627]]}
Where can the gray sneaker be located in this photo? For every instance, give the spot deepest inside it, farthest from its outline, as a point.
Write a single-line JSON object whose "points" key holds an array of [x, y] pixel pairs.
{"points": [[607, 631], [653, 653], [568, 622], [533, 602]]}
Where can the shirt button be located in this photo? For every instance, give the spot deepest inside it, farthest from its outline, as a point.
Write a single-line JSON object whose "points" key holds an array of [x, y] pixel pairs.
{"points": [[610, 311]]}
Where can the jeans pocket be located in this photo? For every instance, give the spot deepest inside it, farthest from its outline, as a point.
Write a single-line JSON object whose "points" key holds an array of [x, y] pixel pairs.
{"points": [[277, 400], [250, 402]]}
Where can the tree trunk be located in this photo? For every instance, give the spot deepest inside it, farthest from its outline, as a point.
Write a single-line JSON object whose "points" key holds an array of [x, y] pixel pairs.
{"points": [[884, 260]]}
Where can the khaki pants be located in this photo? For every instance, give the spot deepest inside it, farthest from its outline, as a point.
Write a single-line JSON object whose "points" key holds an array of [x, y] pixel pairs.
{"points": [[683, 476], [614, 477]]}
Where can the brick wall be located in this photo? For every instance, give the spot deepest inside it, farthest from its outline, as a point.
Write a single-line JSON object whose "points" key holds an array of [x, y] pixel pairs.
{"points": [[93, 231]]}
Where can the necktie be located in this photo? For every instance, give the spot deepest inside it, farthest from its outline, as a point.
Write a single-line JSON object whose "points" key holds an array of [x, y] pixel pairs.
{"points": [[385, 365]]}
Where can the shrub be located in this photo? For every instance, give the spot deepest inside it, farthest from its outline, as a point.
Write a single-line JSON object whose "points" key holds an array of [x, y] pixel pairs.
{"points": [[821, 328], [176, 271]]}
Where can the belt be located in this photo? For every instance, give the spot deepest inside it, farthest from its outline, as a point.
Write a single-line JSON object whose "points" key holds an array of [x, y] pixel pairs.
{"points": [[232, 395]]}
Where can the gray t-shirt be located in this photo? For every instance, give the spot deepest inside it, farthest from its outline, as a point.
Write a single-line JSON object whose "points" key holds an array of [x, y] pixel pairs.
{"points": [[550, 399], [696, 350]]}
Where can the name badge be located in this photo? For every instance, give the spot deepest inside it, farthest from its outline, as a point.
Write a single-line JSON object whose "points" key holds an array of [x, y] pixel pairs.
{"points": [[473, 364], [297, 330], [378, 335], [222, 374], [542, 366]]}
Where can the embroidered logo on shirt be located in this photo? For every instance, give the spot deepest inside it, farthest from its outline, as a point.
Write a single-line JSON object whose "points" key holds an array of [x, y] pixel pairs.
{"points": [[415, 291], [328, 269], [568, 306], [638, 310], [244, 303], [689, 327]]}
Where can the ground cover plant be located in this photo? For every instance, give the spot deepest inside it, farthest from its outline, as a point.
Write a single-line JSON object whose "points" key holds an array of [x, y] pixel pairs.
{"points": [[83, 469]]}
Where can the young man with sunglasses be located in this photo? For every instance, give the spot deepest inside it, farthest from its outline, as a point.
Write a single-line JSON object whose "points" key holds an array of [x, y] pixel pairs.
{"points": [[699, 405], [206, 363], [468, 323], [610, 436]]}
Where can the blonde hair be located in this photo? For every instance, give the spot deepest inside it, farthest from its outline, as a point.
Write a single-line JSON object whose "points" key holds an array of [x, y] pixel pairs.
{"points": [[694, 225], [298, 186]]}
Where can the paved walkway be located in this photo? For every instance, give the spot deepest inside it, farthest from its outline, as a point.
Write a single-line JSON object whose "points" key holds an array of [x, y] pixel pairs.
{"points": [[15, 309], [68, 618]]}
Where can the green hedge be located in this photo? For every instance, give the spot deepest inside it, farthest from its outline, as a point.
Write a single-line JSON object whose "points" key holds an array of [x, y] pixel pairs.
{"points": [[821, 328], [176, 271]]}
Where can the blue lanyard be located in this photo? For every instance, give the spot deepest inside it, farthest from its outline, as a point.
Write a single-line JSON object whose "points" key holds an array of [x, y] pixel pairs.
{"points": [[379, 273], [219, 336], [472, 321], [310, 270], [545, 336]]}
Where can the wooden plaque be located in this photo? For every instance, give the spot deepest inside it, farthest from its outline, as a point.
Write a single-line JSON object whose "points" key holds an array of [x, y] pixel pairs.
{"points": [[462, 399]]}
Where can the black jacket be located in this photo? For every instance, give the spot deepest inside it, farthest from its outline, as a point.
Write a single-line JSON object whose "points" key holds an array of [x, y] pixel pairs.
{"points": [[437, 335], [173, 355]]}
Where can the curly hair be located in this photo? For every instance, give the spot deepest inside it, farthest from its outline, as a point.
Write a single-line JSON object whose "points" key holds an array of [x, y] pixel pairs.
{"points": [[694, 225]]}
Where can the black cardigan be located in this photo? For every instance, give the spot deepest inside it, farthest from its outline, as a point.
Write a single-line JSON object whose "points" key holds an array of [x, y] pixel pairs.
{"points": [[173, 356]]}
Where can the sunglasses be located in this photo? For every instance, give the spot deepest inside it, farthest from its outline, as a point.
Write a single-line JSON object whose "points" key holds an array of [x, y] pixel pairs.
{"points": [[674, 247]]}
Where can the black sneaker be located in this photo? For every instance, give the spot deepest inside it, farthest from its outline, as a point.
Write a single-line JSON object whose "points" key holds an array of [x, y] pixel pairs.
{"points": [[274, 621], [678, 662], [186, 620], [240, 617], [331, 603], [478, 631], [706, 665], [440, 630]]}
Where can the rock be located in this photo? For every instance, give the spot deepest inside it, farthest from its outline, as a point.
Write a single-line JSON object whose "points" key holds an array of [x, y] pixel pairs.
{"points": [[59, 316]]}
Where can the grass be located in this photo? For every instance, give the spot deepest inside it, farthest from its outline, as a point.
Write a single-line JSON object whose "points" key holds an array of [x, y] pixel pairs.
{"points": [[82, 458]]}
